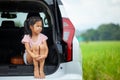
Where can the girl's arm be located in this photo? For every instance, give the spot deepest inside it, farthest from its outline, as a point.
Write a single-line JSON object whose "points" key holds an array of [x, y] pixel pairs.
{"points": [[45, 53], [46, 48]]}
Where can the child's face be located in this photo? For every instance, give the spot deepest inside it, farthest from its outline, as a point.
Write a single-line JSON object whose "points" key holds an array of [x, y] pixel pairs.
{"points": [[37, 27]]}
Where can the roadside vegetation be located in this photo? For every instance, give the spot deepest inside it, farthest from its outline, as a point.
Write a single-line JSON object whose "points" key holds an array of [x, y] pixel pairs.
{"points": [[101, 60]]}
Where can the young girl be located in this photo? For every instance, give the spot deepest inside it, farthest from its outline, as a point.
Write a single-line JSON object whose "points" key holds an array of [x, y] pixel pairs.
{"points": [[35, 45]]}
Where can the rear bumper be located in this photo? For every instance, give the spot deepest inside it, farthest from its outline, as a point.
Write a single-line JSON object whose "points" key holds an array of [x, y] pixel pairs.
{"points": [[65, 77], [66, 71], [68, 77]]}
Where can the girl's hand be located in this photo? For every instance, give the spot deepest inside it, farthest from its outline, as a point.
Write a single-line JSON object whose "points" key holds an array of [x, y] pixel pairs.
{"points": [[35, 56], [41, 57]]}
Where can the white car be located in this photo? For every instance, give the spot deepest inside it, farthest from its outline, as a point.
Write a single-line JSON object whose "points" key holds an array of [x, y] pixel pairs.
{"points": [[64, 61]]}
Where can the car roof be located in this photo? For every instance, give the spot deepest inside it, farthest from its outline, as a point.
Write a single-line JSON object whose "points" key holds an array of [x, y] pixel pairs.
{"points": [[19, 6], [24, 5]]}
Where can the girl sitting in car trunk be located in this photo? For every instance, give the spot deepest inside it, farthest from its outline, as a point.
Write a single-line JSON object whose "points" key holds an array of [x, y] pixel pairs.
{"points": [[35, 45]]}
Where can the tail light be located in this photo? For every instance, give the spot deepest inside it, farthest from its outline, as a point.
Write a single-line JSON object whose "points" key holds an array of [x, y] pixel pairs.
{"points": [[68, 34]]}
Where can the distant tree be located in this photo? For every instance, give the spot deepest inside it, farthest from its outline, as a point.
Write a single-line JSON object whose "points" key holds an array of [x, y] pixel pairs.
{"points": [[90, 34], [103, 32], [109, 31]]}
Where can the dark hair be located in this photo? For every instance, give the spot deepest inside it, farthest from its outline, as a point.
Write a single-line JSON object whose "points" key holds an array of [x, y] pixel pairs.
{"points": [[31, 21]]}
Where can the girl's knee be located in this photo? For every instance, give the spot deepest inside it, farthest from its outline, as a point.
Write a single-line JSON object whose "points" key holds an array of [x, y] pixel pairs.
{"points": [[35, 49], [42, 47]]}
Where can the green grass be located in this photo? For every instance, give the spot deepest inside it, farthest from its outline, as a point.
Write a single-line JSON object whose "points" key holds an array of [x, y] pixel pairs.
{"points": [[101, 60]]}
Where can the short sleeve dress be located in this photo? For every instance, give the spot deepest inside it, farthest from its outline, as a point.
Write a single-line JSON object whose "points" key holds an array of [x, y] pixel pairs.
{"points": [[28, 39]]}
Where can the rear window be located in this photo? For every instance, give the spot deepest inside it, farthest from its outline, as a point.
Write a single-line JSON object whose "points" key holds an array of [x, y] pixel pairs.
{"points": [[21, 17]]}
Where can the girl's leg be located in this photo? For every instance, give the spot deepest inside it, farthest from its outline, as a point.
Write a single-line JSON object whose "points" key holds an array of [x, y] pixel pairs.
{"points": [[35, 62], [36, 69], [42, 74], [42, 61], [29, 58]]}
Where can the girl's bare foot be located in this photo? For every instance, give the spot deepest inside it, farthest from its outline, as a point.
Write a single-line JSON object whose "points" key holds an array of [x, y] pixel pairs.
{"points": [[42, 75], [36, 74]]}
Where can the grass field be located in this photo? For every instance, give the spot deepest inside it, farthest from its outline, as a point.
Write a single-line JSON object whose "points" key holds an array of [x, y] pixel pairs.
{"points": [[101, 60]]}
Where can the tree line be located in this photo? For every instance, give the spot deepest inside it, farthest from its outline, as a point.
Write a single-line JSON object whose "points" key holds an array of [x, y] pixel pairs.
{"points": [[103, 32]]}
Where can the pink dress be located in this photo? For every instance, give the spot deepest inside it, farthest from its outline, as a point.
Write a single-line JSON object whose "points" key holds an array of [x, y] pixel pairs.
{"points": [[28, 39]]}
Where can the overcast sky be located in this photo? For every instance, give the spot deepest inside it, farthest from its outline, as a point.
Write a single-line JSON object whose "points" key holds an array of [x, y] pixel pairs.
{"points": [[91, 13]]}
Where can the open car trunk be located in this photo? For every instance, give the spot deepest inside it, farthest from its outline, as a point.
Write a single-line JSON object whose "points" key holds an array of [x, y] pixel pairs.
{"points": [[11, 48]]}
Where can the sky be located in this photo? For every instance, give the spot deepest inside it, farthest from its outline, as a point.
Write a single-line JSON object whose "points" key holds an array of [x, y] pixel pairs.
{"points": [[86, 14]]}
